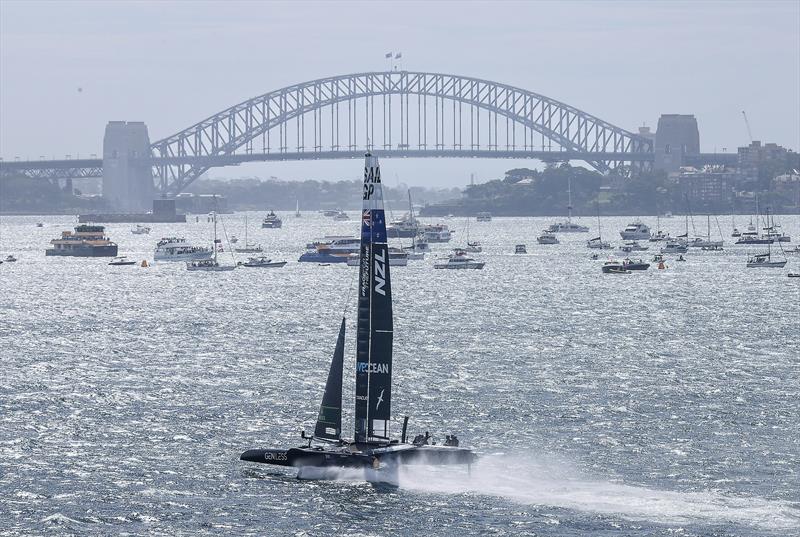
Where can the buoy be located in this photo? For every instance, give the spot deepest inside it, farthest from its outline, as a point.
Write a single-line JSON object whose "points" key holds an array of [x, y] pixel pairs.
{"points": [[144, 263], [661, 265]]}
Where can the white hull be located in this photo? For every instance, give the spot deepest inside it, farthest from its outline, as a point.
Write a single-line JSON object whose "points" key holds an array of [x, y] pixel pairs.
{"points": [[195, 256]]}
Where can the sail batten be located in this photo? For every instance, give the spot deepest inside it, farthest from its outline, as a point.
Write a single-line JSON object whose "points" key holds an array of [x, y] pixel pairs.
{"points": [[329, 420], [374, 333]]}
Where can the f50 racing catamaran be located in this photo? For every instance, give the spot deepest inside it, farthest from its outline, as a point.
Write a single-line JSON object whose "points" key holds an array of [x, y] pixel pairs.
{"points": [[371, 448]]}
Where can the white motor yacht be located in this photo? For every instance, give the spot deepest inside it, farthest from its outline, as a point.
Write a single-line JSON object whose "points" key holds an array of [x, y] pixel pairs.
{"points": [[458, 260], [633, 246], [674, 247], [547, 238], [261, 262], [635, 231], [140, 230]]}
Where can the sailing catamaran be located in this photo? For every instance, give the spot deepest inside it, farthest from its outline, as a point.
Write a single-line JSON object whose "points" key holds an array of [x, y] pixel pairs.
{"points": [[372, 448]]}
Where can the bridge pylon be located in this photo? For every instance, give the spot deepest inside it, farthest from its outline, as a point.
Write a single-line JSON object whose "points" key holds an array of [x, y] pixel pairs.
{"points": [[127, 175]]}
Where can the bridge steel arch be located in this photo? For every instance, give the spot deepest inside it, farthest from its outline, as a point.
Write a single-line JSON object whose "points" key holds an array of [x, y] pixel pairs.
{"points": [[511, 116]]}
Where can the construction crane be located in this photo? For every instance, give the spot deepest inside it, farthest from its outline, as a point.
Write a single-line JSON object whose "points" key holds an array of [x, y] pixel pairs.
{"points": [[747, 124]]}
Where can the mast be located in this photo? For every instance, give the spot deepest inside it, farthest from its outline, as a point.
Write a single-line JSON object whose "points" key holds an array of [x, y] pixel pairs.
{"points": [[599, 230], [569, 200], [374, 332], [215, 230], [245, 230]]}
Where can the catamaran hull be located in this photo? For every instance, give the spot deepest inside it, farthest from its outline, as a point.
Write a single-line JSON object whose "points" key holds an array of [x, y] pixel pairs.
{"points": [[395, 454]]}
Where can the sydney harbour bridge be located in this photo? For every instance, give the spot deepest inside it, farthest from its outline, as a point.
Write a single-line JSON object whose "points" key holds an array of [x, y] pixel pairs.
{"points": [[393, 114]]}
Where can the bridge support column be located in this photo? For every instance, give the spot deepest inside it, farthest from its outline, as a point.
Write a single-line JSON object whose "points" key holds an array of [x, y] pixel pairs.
{"points": [[127, 181]]}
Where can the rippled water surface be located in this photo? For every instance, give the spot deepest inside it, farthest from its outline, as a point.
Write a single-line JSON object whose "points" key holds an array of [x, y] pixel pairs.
{"points": [[655, 403]]}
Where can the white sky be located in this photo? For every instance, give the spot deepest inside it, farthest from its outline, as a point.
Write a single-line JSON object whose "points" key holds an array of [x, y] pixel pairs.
{"points": [[171, 64]]}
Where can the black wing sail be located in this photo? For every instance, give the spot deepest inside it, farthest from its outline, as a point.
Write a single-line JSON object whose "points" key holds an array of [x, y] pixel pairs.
{"points": [[374, 335], [329, 421]]}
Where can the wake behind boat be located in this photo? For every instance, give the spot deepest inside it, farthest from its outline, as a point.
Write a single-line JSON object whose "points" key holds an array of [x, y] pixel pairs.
{"points": [[372, 448]]}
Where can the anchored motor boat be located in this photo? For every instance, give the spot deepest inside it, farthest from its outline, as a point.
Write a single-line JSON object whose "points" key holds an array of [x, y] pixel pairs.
{"points": [[713, 248], [614, 267], [10, 259], [341, 216], [272, 221], [436, 233], [628, 264], [635, 231], [458, 260], [140, 230], [372, 449], [675, 247], [520, 249], [547, 238], [261, 262], [121, 261], [633, 246]]}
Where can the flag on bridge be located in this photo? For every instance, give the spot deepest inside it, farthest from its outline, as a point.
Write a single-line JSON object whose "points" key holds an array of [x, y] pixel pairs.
{"points": [[388, 55], [398, 55]]}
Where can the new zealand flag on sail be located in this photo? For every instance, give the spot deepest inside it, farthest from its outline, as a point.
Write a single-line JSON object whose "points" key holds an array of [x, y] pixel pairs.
{"points": [[374, 334]]}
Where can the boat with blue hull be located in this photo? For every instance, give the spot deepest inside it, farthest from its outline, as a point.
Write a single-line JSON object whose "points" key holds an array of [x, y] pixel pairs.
{"points": [[372, 449]]}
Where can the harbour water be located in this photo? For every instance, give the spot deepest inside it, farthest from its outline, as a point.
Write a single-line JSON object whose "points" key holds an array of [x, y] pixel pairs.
{"points": [[657, 403]]}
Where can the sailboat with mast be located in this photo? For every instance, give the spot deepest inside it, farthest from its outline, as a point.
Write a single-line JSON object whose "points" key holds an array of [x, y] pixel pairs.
{"points": [[765, 260], [569, 226], [598, 242], [211, 264], [372, 449], [248, 248]]}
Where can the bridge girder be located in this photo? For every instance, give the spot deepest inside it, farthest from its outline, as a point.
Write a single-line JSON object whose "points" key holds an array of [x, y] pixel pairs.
{"points": [[181, 158]]}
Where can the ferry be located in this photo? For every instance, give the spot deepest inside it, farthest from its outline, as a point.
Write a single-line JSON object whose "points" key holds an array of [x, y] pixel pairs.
{"points": [[86, 241], [397, 258], [635, 231], [177, 249], [333, 249]]}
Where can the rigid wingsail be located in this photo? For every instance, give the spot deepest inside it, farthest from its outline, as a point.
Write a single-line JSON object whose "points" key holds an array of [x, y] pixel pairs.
{"points": [[372, 446]]}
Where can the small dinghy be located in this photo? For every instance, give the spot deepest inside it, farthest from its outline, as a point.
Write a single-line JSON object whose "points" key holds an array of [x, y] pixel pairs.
{"points": [[121, 261], [9, 259]]}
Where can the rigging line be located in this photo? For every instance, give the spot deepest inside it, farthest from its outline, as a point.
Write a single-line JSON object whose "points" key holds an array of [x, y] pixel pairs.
{"points": [[350, 289], [225, 232]]}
